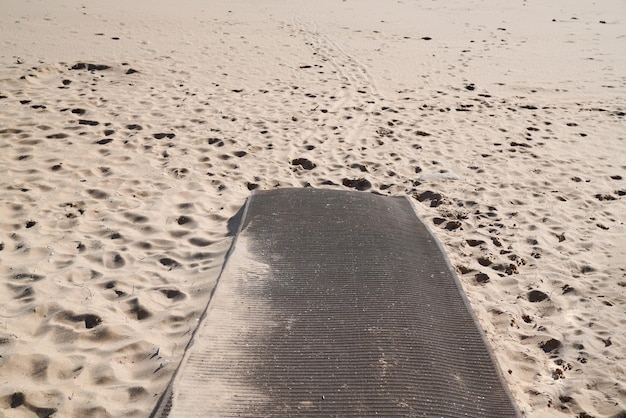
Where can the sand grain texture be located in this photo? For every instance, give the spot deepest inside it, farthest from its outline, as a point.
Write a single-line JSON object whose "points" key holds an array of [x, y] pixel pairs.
{"points": [[131, 132]]}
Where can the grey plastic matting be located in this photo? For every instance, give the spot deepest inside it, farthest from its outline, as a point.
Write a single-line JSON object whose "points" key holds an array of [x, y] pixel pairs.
{"points": [[336, 303]]}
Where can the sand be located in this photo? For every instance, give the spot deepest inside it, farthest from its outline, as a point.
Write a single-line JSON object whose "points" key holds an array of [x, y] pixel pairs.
{"points": [[130, 132]]}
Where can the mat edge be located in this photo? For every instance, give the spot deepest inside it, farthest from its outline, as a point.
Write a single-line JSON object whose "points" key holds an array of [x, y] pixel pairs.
{"points": [[160, 408], [459, 285]]}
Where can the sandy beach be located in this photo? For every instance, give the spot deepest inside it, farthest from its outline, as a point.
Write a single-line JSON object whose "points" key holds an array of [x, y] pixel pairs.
{"points": [[130, 132]]}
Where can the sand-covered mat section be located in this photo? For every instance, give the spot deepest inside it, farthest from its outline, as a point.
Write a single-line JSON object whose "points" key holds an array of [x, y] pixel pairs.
{"points": [[321, 312], [131, 132]]}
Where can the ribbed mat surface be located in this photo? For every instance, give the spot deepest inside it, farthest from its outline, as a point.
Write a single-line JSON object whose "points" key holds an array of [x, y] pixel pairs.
{"points": [[336, 303]]}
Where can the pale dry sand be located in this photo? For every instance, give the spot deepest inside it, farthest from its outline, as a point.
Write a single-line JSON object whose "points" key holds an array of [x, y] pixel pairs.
{"points": [[505, 120]]}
